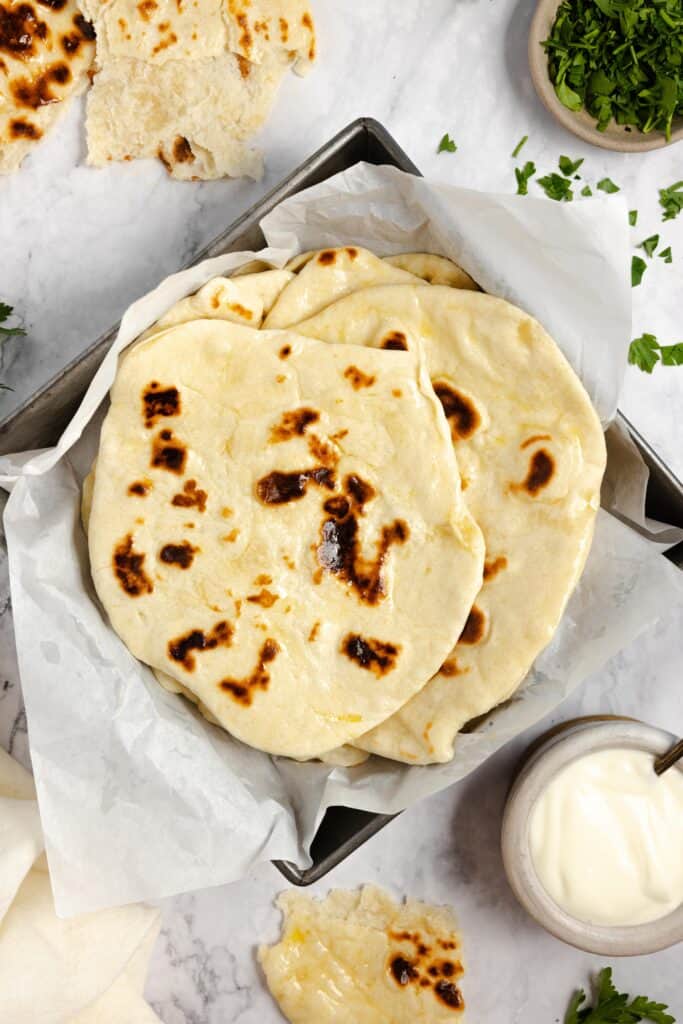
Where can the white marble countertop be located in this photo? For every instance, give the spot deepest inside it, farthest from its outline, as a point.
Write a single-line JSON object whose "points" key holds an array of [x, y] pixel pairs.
{"points": [[77, 245]]}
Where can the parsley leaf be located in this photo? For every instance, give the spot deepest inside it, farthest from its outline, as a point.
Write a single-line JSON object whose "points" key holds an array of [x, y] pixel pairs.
{"points": [[516, 151], [556, 187], [665, 254], [612, 1007], [633, 217], [5, 314], [586, 190], [638, 268], [672, 355], [522, 174], [643, 352], [569, 166], [567, 97], [447, 145], [649, 245], [607, 185], [671, 200]]}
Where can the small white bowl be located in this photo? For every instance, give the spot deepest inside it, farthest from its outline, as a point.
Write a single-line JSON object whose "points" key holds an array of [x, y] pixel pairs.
{"points": [[549, 756]]}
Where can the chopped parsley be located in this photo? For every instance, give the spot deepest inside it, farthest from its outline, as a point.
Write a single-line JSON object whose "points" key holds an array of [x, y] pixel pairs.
{"points": [[645, 352], [649, 245], [446, 145], [665, 254], [569, 166], [586, 190], [518, 148], [522, 174], [633, 217], [612, 1007], [638, 268], [556, 187], [607, 185], [671, 200], [5, 314], [619, 59]]}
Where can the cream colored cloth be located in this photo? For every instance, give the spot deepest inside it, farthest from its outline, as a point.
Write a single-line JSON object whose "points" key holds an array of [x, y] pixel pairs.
{"points": [[87, 970]]}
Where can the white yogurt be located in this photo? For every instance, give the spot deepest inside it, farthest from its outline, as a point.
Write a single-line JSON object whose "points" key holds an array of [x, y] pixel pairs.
{"points": [[606, 838]]}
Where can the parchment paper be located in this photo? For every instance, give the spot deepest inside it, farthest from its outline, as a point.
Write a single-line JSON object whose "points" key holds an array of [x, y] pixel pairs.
{"points": [[139, 796]]}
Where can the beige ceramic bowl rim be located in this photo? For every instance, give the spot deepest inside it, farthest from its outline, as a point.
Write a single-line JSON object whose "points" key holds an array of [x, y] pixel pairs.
{"points": [[581, 123], [547, 759]]}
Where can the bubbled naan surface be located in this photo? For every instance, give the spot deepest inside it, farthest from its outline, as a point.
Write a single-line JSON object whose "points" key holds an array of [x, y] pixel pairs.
{"points": [[531, 453], [46, 50], [328, 275], [433, 269], [360, 958], [293, 635]]}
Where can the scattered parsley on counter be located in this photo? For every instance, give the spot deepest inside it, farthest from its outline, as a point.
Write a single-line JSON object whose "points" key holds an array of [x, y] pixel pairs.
{"points": [[619, 59], [633, 217], [5, 314], [522, 174], [612, 1007], [645, 352], [607, 185], [518, 148], [556, 187], [447, 145], [671, 200], [638, 268], [569, 166], [665, 254], [586, 190], [649, 245]]}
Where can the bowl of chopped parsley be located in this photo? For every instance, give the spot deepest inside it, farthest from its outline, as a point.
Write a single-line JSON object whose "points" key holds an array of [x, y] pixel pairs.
{"points": [[611, 71]]}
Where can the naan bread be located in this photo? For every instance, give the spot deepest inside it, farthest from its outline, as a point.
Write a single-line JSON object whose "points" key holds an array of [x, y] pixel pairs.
{"points": [[245, 300], [326, 574], [328, 275], [46, 50], [531, 453], [259, 27], [361, 958], [433, 269]]}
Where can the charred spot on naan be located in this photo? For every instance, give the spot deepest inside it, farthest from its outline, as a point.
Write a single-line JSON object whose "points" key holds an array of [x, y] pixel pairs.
{"points": [[475, 627], [140, 488], [307, 22], [451, 668], [242, 689], [313, 635], [196, 640], [285, 352], [377, 656], [459, 409], [327, 257], [190, 497], [21, 129], [539, 474], [168, 452], [422, 966], [293, 424], [534, 439], [181, 554], [128, 566], [159, 402], [20, 27], [265, 598], [357, 379], [278, 488], [395, 340], [493, 566], [339, 551], [38, 92]]}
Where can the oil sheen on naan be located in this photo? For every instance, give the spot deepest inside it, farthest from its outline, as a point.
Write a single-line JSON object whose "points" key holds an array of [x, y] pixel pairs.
{"points": [[261, 532], [531, 454], [361, 958]]}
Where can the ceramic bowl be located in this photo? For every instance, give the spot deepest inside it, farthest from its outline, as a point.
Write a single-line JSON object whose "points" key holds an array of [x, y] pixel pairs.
{"points": [[580, 122], [549, 756]]}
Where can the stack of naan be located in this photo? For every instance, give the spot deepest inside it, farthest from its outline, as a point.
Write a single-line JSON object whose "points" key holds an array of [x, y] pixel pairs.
{"points": [[342, 506], [187, 81]]}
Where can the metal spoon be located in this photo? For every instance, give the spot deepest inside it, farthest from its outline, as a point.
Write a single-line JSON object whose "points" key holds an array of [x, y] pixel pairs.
{"points": [[670, 758]]}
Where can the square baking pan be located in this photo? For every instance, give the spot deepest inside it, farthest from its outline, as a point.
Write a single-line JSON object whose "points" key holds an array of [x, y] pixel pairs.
{"points": [[39, 421]]}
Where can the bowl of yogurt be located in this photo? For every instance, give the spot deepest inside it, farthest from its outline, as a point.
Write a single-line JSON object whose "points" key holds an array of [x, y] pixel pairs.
{"points": [[592, 837]]}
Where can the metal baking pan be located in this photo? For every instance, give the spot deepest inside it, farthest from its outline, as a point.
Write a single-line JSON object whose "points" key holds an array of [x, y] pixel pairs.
{"points": [[40, 420]]}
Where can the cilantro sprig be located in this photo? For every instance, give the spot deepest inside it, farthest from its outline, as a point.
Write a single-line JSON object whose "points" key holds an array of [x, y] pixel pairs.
{"points": [[645, 352], [613, 1007], [523, 174], [619, 59], [671, 200], [557, 187]]}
